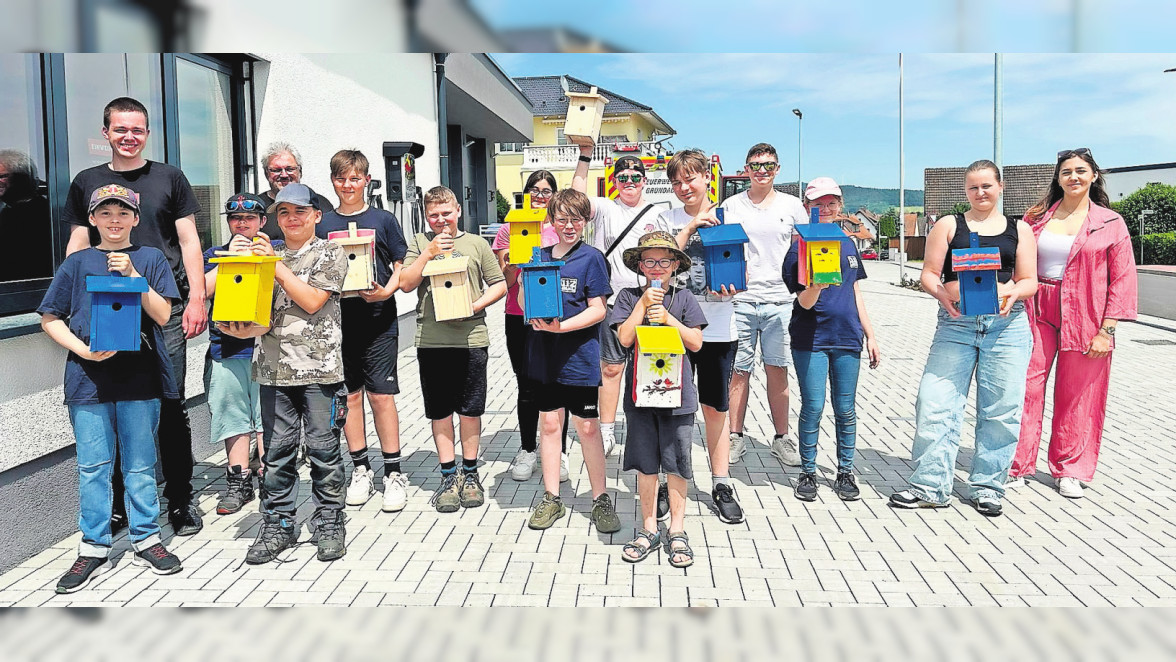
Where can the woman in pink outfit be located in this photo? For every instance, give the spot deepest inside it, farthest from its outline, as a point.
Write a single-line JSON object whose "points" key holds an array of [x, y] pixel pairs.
{"points": [[1086, 271]]}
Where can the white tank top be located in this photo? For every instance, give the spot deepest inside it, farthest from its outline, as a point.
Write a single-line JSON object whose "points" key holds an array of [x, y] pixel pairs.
{"points": [[1052, 251]]}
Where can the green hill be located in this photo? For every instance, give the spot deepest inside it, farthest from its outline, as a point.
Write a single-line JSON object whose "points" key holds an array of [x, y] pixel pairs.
{"points": [[878, 200]]}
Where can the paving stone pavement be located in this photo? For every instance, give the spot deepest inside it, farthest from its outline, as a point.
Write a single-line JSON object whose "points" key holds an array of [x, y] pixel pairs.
{"points": [[1115, 547]]}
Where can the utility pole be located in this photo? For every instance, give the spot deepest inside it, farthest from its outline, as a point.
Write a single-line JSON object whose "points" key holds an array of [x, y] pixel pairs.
{"points": [[998, 120], [799, 118], [901, 183]]}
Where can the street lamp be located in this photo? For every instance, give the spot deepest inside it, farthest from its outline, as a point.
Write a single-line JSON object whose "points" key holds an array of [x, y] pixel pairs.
{"points": [[1142, 215], [799, 117]]}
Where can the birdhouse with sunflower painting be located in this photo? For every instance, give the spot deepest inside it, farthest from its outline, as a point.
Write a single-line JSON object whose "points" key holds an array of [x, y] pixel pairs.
{"points": [[976, 269], [819, 252], [360, 247], [657, 367], [115, 312], [449, 287], [526, 227], [244, 287]]}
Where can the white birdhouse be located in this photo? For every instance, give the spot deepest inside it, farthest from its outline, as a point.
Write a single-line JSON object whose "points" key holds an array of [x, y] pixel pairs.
{"points": [[657, 373], [585, 113]]}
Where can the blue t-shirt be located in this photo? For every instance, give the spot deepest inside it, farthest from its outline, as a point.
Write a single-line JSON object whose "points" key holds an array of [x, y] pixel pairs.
{"points": [[682, 306], [832, 323], [360, 316], [142, 375], [571, 358], [221, 346]]}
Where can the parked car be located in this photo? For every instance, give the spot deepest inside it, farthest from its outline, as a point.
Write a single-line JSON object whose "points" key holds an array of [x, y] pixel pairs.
{"points": [[869, 254]]}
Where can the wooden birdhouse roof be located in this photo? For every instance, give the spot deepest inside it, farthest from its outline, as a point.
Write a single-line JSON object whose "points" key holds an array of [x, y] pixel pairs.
{"points": [[820, 231], [717, 235], [446, 265], [660, 340], [118, 284]]}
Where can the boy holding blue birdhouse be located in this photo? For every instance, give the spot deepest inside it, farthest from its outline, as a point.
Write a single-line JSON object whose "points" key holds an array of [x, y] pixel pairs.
{"points": [[113, 397]]}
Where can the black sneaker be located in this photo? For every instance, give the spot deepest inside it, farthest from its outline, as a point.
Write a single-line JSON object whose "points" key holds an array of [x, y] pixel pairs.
{"points": [[846, 487], [185, 519], [663, 502], [908, 499], [118, 520], [277, 535], [238, 492], [806, 487], [80, 573], [988, 506], [330, 535], [156, 557], [726, 504]]}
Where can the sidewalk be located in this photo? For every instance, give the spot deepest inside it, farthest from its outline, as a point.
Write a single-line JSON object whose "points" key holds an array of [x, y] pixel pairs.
{"points": [[1116, 547]]}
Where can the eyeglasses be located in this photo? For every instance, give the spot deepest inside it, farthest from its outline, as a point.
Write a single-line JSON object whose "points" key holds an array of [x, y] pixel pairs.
{"points": [[1067, 153], [288, 170], [636, 179], [568, 220], [768, 166], [664, 263], [244, 204], [535, 192]]}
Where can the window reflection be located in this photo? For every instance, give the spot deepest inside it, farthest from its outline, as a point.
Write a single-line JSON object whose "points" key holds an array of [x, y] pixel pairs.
{"points": [[92, 80], [206, 143], [24, 205]]}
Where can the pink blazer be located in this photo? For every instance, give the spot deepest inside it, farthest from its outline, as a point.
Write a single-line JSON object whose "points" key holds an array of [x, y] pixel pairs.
{"points": [[1099, 281]]}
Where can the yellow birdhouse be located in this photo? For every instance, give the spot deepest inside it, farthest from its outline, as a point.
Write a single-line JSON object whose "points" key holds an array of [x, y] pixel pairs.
{"points": [[244, 288], [449, 285], [657, 371], [585, 113], [360, 246], [526, 231]]}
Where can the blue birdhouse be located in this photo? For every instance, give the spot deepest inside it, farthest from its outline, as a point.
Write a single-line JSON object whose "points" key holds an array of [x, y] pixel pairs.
{"points": [[976, 268], [722, 248], [115, 312], [542, 297]]}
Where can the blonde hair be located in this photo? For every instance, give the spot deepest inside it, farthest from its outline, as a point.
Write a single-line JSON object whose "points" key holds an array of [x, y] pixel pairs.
{"points": [[569, 201], [348, 160], [439, 195], [688, 162]]}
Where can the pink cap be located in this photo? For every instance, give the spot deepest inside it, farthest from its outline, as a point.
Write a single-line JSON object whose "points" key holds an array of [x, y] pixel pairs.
{"points": [[821, 186]]}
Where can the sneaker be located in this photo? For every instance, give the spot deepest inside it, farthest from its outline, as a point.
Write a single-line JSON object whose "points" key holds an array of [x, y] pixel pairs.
{"points": [[610, 441], [277, 535], [663, 502], [156, 557], [330, 535], [185, 519], [908, 499], [447, 498], [604, 515], [1069, 487], [549, 509], [785, 450], [738, 447], [988, 506], [395, 492], [238, 492], [564, 473], [118, 520], [362, 486], [1014, 482], [846, 487], [806, 486], [523, 465], [727, 504], [81, 572], [472, 492]]}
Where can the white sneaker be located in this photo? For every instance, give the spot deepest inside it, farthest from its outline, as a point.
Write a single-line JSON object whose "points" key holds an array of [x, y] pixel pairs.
{"points": [[1069, 487], [564, 473], [523, 465], [785, 450], [361, 488], [738, 448], [395, 493], [1015, 482], [610, 441]]}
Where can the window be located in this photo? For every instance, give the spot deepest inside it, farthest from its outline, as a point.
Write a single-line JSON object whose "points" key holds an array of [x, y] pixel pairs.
{"points": [[91, 81], [511, 148], [560, 138], [25, 219], [206, 142]]}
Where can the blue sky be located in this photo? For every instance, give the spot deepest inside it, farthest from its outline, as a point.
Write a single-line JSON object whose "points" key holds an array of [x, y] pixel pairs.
{"points": [[1121, 106]]}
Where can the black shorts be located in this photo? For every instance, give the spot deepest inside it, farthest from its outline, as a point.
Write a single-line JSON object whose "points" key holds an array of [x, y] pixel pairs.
{"points": [[370, 348], [656, 443], [453, 380], [713, 365], [577, 400]]}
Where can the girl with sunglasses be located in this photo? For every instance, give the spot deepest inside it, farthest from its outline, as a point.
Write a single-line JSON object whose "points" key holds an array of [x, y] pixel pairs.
{"points": [[1086, 267]]}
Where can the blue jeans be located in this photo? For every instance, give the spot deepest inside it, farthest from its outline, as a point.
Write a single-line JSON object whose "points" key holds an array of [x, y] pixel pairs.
{"points": [[98, 428], [840, 367], [996, 349]]}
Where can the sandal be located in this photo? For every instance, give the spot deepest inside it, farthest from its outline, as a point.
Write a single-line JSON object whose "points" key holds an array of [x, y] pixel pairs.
{"points": [[643, 551], [683, 549]]}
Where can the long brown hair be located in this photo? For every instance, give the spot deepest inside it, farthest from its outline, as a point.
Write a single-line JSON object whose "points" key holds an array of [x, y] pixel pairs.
{"points": [[1098, 191]]}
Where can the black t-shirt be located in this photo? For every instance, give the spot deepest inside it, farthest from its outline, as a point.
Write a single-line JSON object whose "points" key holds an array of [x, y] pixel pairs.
{"points": [[271, 228], [379, 317], [164, 197], [1005, 241]]}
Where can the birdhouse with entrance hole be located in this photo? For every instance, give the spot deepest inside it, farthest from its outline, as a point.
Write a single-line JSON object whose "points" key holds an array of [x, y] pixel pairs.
{"points": [[449, 286], [542, 295], [585, 114], [115, 312], [722, 248], [360, 246], [244, 287], [976, 269], [526, 227], [819, 252]]}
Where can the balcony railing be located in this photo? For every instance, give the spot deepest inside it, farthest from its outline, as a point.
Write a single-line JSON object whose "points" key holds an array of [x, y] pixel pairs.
{"points": [[565, 157]]}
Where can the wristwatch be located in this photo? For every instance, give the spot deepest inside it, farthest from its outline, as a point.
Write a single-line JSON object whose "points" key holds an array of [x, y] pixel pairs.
{"points": [[585, 159], [1109, 330]]}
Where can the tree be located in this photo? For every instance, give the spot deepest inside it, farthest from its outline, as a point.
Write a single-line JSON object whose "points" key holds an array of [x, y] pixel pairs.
{"points": [[961, 208], [1159, 198], [888, 223], [503, 206]]}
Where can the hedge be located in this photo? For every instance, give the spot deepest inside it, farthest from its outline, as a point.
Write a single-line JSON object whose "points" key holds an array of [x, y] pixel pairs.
{"points": [[1159, 248]]}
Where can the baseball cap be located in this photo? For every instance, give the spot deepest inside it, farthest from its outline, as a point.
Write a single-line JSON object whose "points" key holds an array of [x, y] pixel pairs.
{"points": [[295, 194], [821, 186], [629, 163], [114, 192], [247, 203]]}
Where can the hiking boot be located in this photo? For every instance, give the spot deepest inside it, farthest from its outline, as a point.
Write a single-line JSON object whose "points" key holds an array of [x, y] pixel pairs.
{"points": [[604, 515], [806, 487], [989, 506], [362, 486], [395, 492], [277, 534], [523, 465], [472, 493], [908, 499], [81, 572], [185, 519], [846, 487], [447, 498], [238, 491], [727, 504], [663, 502], [784, 449], [738, 447], [549, 509], [156, 557], [330, 535]]}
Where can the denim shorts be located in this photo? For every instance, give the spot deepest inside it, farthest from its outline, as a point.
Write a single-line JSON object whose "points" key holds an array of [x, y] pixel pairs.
{"points": [[765, 324], [234, 399]]}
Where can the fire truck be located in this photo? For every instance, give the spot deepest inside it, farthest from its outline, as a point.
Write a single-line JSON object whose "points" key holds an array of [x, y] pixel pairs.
{"points": [[657, 182]]}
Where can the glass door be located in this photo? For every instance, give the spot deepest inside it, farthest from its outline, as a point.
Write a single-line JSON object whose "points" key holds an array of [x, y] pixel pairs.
{"points": [[205, 121]]}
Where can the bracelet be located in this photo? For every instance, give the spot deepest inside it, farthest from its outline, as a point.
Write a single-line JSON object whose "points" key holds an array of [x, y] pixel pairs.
{"points": [[585, 159]]}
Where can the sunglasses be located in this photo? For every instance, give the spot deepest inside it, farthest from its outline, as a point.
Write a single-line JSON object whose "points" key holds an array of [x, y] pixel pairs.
{"points": [[540, 192], [1067, 153], [664, 263], [636, 179], [766, 167], [244, 205]]}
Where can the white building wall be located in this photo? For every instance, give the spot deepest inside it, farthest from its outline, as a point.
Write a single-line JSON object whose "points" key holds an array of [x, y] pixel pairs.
{"points": [[1122, 184]]}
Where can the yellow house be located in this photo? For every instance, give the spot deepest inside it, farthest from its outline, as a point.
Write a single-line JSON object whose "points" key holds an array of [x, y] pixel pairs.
{"points": [[629, 127]]}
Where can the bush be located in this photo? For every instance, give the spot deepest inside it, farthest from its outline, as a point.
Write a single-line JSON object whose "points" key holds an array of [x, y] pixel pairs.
{"points": [[961, 208], [888, 223], [1159, 248], [503, 206], [1160, 198]]}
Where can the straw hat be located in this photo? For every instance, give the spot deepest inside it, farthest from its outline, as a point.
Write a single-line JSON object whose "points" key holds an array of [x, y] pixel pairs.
{"points": [[657, 239]]}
